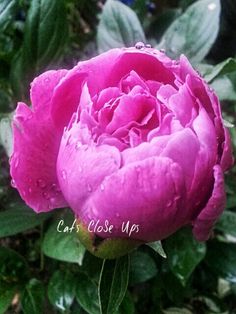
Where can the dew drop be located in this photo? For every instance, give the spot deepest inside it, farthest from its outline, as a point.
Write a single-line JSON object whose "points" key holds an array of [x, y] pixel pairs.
{"points": [[162, 51], [63, 174], [13, 183], [46, 195], [46, 80], [52, 200], [16, 162], [55, 188], [177, 198], [102, 187], [41, 183], [89, 188], [148, 46], [78, 145], [139, 45]]}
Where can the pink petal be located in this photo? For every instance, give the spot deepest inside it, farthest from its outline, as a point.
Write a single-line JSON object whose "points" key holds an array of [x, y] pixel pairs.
{"points": [[113, 65], [36, 144], [149, 193], [203, 224], [82, 166], [42, 89], [227, 159], [131, 108], [183, 105], [183, 148], [33, 164]]}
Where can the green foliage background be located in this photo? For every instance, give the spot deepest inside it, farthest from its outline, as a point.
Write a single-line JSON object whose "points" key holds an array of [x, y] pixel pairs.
{"points": [[43, 271]]}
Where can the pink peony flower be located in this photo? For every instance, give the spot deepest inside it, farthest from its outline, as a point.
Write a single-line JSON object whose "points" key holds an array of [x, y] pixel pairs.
{"points": [[128, 136]]}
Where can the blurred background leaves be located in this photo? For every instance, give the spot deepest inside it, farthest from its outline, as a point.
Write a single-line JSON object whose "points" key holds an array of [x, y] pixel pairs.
{"points": [[44, 271]]}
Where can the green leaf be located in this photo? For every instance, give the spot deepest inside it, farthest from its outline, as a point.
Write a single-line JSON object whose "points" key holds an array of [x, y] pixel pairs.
{"points": [[7, 10], [6, 295], [225, 86], [127, 305], [227, 223], [45, 37], [63, 246], [91, 266], [142, 267], [194, 32], [6, 139], [175, 310], [61, 289], [113, 284], [19, 218], [184, 254], [223, 68], [157, 247], [119, 26], [87, 294], [45, 32], [178, 292], [221, 259], [33, 297], [14, 270]]}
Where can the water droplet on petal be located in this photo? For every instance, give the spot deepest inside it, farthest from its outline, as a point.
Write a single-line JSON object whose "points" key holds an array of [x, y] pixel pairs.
{"points": [[41, 183], [53, 200], [139, 45], [56, 189], [102, 187], [46, 195], [162, 51], [148, 46], [63, 174], [30, 190], [46, 80], [16, 162], [89, 187], [13, 183], [177, 198], [78, 145]]}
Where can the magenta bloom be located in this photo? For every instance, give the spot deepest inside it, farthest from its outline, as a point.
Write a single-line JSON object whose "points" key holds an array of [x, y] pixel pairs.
{"points": [[130, 135]]}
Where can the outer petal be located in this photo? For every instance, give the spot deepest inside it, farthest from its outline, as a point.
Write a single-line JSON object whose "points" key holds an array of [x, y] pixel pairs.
{"points": [[36, 144], [227, 159], [150, 193], [42, 89], [82, 166], [203, 224], [183, 148]]}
